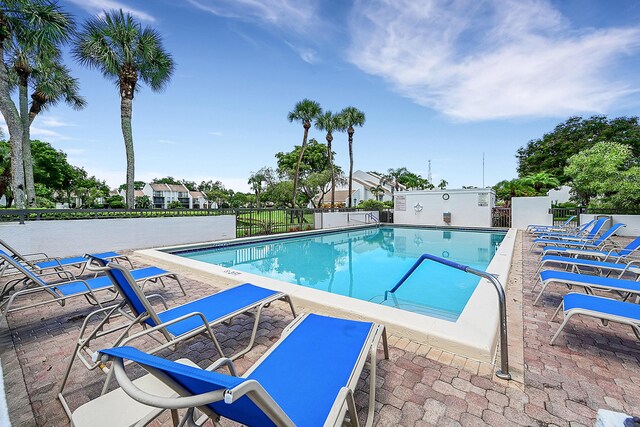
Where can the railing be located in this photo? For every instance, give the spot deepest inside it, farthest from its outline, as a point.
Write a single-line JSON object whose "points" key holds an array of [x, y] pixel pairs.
{"points": [[503, 372]]}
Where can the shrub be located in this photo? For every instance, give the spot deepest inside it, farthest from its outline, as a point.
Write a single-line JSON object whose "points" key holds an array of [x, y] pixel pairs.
{"points": [[373, 205], [175, 205], [116, 202]]}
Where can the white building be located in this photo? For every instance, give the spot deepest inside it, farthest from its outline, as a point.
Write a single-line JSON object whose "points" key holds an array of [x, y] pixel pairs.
{"points": [[162, 195], [364, 186], [459, 207]]}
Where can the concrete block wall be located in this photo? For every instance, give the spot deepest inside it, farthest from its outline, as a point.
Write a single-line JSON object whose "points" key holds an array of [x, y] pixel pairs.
{"points": [[77, 237]]}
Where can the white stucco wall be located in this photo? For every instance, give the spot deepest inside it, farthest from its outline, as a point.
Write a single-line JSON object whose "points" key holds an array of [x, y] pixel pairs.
{"points": [[77, 237], [632, 223], [464, 206], [343, 219], [561, 195], [530, 210]]}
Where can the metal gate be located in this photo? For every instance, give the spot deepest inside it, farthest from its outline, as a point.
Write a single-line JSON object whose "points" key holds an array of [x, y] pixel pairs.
{"points": [[501, 217]]}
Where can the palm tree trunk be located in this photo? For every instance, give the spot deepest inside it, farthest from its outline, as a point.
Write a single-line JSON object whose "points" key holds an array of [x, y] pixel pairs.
{"points": [[350, 132], [295, 177], [126, 104], [333, 177], [12, 118], [27, 159]]}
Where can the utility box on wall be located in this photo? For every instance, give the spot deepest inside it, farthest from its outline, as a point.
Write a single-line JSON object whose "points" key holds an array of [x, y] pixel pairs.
{"points": [[458, 207]]}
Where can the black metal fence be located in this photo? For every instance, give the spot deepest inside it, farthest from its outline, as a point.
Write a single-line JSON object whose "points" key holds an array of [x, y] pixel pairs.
{"points": [[249, 222]]}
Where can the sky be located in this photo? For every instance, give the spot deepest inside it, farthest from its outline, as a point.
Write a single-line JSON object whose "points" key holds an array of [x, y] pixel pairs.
{"points": [[442, 81]]}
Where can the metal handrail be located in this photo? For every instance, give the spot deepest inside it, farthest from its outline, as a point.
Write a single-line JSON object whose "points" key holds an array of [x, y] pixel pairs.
{"points": [[503, 372]]}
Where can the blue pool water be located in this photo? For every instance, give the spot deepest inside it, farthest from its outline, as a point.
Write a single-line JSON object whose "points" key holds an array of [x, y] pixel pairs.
{"points": [[365, 263]]}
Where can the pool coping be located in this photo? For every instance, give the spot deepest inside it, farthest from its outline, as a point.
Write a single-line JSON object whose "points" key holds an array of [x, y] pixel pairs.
{"points": [[474, 335]]}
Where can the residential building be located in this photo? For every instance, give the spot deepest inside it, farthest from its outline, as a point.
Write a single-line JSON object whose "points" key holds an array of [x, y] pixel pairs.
{"points": [[162, 195], [364, 186]]}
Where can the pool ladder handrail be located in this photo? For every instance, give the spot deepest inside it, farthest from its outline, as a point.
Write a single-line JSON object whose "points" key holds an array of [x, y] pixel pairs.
{"points": [[503, 372]]}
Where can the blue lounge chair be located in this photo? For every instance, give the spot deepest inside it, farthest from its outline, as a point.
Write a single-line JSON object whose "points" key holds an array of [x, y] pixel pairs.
{"points": [[588, 282], [41, 262], [581, 244], [61, 291], [193, 318], [581, 236], [576, 263], [535, 228], [610, 255], [605, 309], [307, 378], [581, 231]]}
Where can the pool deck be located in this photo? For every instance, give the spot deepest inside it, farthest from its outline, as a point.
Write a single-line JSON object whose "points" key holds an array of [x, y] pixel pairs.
{"points": [[590, 367]]}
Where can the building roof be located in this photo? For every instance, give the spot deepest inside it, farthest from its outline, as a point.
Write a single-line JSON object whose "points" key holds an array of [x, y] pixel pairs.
{"points": [[197, 194], [179, 188]]}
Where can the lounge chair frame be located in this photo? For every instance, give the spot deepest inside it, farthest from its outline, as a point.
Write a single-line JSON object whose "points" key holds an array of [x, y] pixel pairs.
{"points": [[604, 317], [343, 409]]}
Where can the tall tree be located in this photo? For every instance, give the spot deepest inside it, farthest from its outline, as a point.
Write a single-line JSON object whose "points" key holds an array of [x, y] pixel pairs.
{"points": [[305, 112], [551, 152], [117, 45], [52, 83], [259, 180], [350, 117], [30, 31], [330, 122]]}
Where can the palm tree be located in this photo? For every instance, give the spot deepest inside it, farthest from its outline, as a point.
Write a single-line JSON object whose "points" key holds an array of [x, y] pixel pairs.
{"points": [[541, 180], [394, 175], [52, 85], [30, 31], [330, 122], [443, 184], [351, 117], [117, 45], [305, 112]]}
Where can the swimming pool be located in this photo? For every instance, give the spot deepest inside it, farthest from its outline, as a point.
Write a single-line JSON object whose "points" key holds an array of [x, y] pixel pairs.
{"points": [[474, 334], [365, 263]]}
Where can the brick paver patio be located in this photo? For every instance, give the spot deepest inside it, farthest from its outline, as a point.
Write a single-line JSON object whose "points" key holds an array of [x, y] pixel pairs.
{"points": [[590, 367]]}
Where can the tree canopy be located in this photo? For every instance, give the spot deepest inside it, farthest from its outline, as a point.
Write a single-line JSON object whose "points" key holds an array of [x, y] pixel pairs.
{"points": [[551, 152], [606, 175]]}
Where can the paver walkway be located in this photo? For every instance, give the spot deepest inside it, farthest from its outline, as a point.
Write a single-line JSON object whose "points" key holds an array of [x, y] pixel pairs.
{"points": [[590, 367]]}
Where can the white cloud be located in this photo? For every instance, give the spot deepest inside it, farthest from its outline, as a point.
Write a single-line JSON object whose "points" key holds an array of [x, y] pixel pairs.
{"points": [[167, 141], [296, 15], [487, 60], [53, 121], [47, 134], [215, 133], [306, 54], [99, 6]]}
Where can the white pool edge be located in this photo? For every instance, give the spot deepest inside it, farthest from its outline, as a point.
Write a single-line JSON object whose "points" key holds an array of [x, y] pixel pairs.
{"points": [[474, 335]]}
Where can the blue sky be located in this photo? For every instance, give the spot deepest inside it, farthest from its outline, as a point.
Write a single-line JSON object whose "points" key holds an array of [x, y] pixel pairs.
{"points": [[444, 81]]}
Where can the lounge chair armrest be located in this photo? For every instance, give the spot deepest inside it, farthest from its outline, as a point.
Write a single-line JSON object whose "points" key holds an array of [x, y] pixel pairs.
{"points": [[159, 401], [91, 266], [162, 325], [67, 273], [160, 297], [223, 361], [41, 256]]}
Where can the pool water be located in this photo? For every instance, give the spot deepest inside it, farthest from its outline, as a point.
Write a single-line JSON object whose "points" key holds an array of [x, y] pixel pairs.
{"points": [[365, 263]]}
